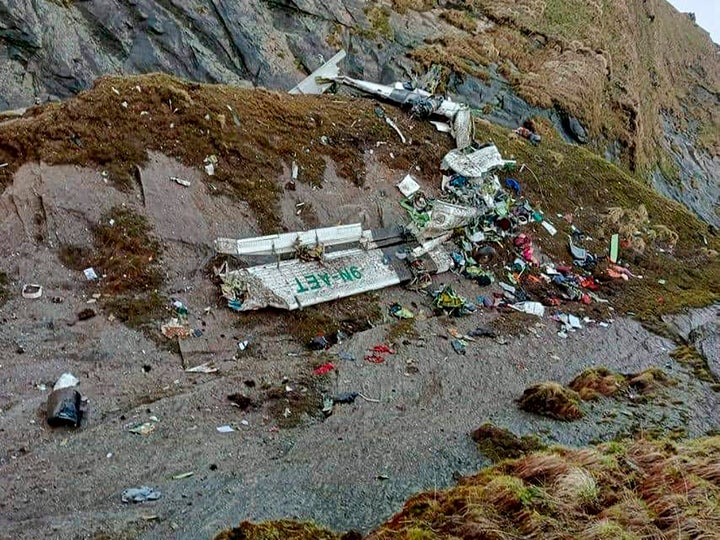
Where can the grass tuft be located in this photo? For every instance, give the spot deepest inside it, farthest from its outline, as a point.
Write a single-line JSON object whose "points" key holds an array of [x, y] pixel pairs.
{"points": [[553, 400]]}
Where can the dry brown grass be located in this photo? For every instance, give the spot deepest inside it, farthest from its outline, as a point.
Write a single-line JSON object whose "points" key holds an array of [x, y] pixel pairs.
{"points": [[641, 489], [402, 6], [614, 64], [596, 382], [253, 133], [689, 355], [498, 443], [630, 490], [636, 231], [283, 530], [553, 400], [649, 381], [126, 257], [459, 19]]}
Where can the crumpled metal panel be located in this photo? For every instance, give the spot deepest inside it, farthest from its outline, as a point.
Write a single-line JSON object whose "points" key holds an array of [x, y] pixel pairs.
{"points": [[277, 244], [473, 163], [294, 284], [446, 217], [463, 128]]}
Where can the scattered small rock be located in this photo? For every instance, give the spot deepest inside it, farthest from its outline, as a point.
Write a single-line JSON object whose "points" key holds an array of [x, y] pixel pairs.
{"points": [[86, 314]]}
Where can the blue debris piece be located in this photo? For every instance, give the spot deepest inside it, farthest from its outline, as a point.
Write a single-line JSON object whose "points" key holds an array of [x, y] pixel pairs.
{"points": [[513, 184]]}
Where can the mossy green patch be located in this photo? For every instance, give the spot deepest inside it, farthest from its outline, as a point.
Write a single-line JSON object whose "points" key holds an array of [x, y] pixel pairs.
{"points": [[282, 530], [587, 186], [689, 355], [553, 400], [498, 443]]}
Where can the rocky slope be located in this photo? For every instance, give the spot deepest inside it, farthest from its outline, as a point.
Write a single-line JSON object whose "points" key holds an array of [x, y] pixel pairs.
{"points": [[623, 75], [88, 183]]}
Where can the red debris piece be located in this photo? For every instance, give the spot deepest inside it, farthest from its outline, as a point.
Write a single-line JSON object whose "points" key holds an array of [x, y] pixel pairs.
{"points": [[378, 354], [588, 283], [325, 368]]}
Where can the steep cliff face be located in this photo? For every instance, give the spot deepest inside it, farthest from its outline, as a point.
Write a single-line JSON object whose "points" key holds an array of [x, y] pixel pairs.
{"points": [[633, 78]]}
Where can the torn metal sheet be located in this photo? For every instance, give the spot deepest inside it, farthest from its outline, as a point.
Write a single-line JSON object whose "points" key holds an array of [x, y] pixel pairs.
{"points": [[294, 284], [446, 217], [463, 128], [328, 71], [278, 244], [431, 245], [531, 308], [442, 127], [474, 162]]}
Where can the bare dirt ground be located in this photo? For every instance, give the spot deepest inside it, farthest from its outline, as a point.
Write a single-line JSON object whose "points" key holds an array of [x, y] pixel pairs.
{"points": [[351, 470]]}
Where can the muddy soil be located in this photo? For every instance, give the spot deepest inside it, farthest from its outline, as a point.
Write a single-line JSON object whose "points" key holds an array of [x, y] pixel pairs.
{"points": [[350, 470]]}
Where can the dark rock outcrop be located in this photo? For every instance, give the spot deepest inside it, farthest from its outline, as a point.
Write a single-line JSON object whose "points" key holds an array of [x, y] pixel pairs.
{"points": [[51, 49]]}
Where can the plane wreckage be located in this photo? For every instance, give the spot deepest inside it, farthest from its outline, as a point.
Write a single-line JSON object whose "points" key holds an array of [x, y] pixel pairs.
{"points": [[310, 267], [299, 269], [422, 103]]}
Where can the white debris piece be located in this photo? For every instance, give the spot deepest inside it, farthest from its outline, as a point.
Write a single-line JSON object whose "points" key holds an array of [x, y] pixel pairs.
{"points": [[32, 291], [396, 128], [442, 127], [462, 128], [320, 79], [207, 367], [141, 494], [210, 162], [474, 163], [90, 274], [446, 217], [66, 380], [531, 308], [278, 244], [180, 181], [549, 227], [408, 186], [569, 323], [225, 429]]}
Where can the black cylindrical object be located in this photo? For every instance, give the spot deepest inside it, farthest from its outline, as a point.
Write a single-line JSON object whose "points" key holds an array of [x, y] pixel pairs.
{"points": [[63, 408]]}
